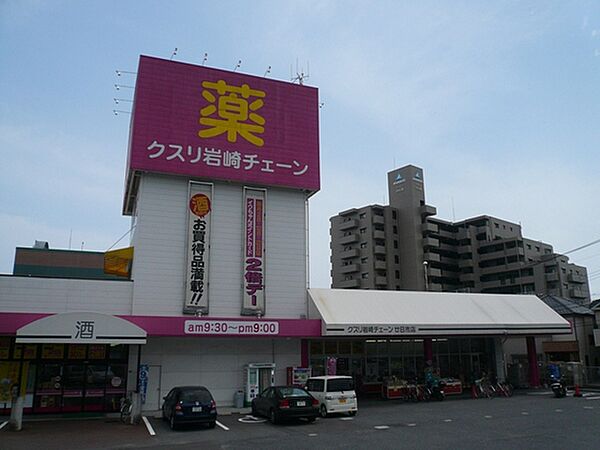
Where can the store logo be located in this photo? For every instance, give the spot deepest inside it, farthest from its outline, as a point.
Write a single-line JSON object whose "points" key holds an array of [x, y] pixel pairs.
{"points": [[398, 180], [418, 176], [231, 111], [84, 329]]}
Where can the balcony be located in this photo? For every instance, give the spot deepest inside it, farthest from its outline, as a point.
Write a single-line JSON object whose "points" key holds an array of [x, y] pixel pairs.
{"points": [[434, 287], [576, 293], [428, 210], [464, 277], [429, 227], [462, 263], [352, 253], [380, 281], [447, 247], [349, 239], [465, 249], [463, 233], [378, 234], [430, 242], [350, 268], [349, 284], [348, 224], [597, 337], [449, 261], [380, 265], [433, 272], [574, 278], [551, 276], [379, 250], [378, 220], [431, 257]]}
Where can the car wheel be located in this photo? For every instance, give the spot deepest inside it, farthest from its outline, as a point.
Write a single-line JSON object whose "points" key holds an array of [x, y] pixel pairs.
{"points": [[352, 413], [172, 423], [273, 417], [323, 411], [212, 424]]}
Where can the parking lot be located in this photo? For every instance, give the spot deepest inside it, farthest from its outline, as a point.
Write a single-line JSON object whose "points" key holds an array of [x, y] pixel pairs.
{"points": [[537, 420]]}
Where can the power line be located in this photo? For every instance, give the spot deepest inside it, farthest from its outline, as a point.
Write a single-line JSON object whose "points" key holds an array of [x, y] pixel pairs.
{"points": [[558, 255]]}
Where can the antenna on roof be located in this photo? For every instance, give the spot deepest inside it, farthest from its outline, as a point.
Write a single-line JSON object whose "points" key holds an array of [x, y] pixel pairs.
{"points": [[173, 54], [453, 214], [205, 58], [237, 66], [118, 87], [120, 72], [116, 112], [117, 100], [300, 75], [268, 71]]}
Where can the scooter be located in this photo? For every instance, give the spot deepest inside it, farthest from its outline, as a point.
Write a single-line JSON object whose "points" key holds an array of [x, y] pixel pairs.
{"points": [[558, 387]]}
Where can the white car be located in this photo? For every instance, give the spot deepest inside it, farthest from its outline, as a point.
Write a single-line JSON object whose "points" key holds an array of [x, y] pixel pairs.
{"points": [[335, 394]]}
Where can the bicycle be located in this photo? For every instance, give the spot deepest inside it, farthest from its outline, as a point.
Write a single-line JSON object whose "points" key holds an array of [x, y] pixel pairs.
{"points": [[505, 389], [126, 409]]}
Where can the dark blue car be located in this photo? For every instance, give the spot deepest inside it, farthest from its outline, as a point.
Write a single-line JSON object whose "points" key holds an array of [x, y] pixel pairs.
{"points": [[189, 404]]}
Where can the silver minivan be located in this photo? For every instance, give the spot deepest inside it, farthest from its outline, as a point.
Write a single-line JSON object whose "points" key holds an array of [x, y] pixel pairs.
{"points": [[335, 394]]}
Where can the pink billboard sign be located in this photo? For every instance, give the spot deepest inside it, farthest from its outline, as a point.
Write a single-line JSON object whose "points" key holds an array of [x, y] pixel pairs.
{"points": [[213, 124]]}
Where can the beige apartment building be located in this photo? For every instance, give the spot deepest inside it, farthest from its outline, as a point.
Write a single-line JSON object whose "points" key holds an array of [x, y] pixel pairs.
{"points": [[403, 246]]}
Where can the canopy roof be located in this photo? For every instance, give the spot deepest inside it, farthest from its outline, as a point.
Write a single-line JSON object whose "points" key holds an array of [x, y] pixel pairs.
{"points": [[350, 312]]}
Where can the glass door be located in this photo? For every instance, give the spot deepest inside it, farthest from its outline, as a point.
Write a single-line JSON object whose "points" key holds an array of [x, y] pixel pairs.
{"points": [[48, 392], [73, 387], [95, 381]]}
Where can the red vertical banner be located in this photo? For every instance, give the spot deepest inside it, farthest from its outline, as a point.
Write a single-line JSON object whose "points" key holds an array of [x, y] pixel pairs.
{"points": [[253, 293]]}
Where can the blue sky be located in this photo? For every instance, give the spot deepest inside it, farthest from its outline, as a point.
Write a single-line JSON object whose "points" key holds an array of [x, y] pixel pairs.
{"points": [[498, 102]]}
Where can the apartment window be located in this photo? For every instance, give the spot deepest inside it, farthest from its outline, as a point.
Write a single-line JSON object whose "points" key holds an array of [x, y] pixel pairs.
{"points": [[528, 246], [395, 244], [537, 249], [362, 215], [564, 270], [365, 275], [393, 214], [496, 225], [547, 251], [397, 274], [565, 285], [395, 229], [347, 247], [396, 259], [363, 245], [363, 230], [348, 277], [363, 260], [510, 228]]}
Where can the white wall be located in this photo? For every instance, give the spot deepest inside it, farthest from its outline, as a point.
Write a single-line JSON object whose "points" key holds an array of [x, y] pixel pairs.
{"points": [[160, 249], [217, 364], [56, 295]]}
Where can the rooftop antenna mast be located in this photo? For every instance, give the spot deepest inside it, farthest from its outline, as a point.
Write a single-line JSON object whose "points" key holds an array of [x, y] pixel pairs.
{"points": [[173, 54], [205, 58], [300, 75], [267, 72], [238, 65]]}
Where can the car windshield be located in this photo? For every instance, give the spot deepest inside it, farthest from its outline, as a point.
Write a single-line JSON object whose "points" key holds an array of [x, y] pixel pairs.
{"points": [[292, 392], [340, 384], [195, 395]]}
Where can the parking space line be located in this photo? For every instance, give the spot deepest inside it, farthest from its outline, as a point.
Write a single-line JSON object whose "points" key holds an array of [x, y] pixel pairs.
{"points": [[313, 434], [592, 398], [488, 417], [525, 413], [585, 407], [411, 424], [558, 410], [3, 424], [381, 427], [447, 420], [222, 426], [346, 418], [148, 426]]}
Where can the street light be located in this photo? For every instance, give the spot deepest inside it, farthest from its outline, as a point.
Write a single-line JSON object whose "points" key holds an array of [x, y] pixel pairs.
{"points": [[425, 270]]}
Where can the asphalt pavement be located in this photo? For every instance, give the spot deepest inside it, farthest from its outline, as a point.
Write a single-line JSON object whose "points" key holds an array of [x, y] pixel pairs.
{"points": [[535, 421]]}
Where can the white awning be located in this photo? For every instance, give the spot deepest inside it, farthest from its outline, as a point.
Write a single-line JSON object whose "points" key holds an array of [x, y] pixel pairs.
{"points": [[81, 328], [350, 312]]}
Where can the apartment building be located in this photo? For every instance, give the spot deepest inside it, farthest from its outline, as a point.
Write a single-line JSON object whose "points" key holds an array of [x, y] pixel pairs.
{"points": [[403, 246]]}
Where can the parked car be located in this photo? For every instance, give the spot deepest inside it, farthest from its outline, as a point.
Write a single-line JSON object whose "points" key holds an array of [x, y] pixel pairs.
{"points": [[285, 402], [335, 394], [189, 404]]}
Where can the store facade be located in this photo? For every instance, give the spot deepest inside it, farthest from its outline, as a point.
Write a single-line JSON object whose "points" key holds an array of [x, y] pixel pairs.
{"points": [[221, 166]]}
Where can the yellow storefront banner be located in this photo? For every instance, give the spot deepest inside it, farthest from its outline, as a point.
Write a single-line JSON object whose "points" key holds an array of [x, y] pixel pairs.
{"points": [[118, 262], [9, 377]]}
